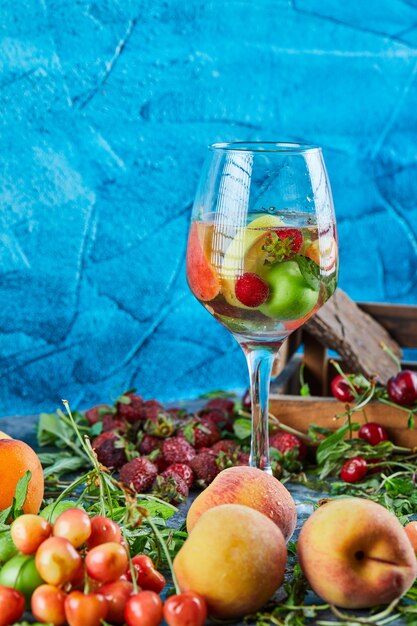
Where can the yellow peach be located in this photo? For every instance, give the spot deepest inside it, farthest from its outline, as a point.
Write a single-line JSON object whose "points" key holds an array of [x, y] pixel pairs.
{"points": [[235, 558], [251, 487], [355, 554]]}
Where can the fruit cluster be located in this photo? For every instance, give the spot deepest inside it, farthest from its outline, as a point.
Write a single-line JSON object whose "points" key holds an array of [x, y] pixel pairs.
{"points": [[400, 390], [167, 450], [267, 266], [353, 552], [78, 571]]}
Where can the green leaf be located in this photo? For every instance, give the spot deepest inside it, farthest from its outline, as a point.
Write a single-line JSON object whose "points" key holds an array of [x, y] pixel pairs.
{"points": [[63, 464], [96, 429], [53, 510], [328, 445], [16, 508], [124, 399], [52, 429], [22, 490], [410, 421], [330, 283], [217, 393], [157, 508], [242, 428], [305, 390], [310, 271]]}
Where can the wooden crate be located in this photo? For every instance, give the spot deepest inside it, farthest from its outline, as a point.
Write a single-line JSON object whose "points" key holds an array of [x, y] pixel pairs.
{"points": [[321, 408]]}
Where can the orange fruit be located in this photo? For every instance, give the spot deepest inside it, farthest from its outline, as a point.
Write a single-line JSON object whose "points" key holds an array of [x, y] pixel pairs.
{"points": [[16, 458], [201, 275]]}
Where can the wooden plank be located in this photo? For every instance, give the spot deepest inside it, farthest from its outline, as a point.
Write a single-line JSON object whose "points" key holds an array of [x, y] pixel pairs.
{"points": [[316, 365], [342, 326], [400, 320], [299, 412]]}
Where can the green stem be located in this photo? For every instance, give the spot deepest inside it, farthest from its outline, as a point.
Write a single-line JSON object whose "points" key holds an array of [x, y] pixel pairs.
{"points": [[75, 427], [131, 566], [374, 619], [68, 490], [391, 354], [397, 406], [166, 552]]}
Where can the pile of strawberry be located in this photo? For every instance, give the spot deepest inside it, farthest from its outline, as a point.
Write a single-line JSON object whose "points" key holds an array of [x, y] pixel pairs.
{"points": [[167, 451]]}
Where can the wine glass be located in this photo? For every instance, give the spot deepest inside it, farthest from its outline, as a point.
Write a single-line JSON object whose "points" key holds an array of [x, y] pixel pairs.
{"points": [[262, 253]]}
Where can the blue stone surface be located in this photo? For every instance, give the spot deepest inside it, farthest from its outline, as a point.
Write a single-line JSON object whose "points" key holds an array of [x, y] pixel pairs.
{"points": [[106, 108]]}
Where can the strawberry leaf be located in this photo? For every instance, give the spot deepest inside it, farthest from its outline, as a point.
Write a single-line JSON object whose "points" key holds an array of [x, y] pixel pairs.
{"points": [[242, 428], [96, 429]]}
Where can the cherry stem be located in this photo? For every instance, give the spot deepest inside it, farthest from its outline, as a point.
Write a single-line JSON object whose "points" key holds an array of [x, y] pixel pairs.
{"points": [[131, 566], [276, 422], [164, 546], [391, 354]]}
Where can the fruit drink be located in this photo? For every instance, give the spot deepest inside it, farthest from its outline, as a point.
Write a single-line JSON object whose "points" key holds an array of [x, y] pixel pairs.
{"points": [[267, 278]]}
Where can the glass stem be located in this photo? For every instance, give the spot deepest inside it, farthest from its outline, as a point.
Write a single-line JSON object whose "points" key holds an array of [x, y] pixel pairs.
{"points": [[260, 360]]}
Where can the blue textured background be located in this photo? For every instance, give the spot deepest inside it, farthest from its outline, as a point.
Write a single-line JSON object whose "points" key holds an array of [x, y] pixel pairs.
{"points": [[105, 111]]}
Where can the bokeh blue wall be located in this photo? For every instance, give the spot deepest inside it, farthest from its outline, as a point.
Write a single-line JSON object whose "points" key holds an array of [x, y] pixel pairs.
{"points": [[105, 111]]}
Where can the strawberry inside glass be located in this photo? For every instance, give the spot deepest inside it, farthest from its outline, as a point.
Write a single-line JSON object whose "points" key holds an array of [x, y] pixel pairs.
{"points": [[262, 253]]}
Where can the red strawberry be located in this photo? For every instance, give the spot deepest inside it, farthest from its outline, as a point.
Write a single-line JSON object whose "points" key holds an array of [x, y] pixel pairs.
{"points": [[158, 458], [201, 433], [205, 468], [282, 243], [110, 423], [129, 407], [109, 450], [284, 442], [225, 445], [171, 488], [207, 450], [177, 450], [183, 471], [222, 404], [217, 416], [151, 409], [160, 426], [98, 412], [294, 236], [251, 290], [149, 444], [139, 474], [243, 458]]}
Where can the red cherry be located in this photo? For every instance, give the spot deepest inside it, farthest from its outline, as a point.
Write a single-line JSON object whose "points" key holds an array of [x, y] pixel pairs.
{"points": [[353, 470], [12, 605], [373, 433], [341, 390], [185, 609], [144, 609], [147, 576], [117, 594], [402, 388], [85, 609], [251, 290]]}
